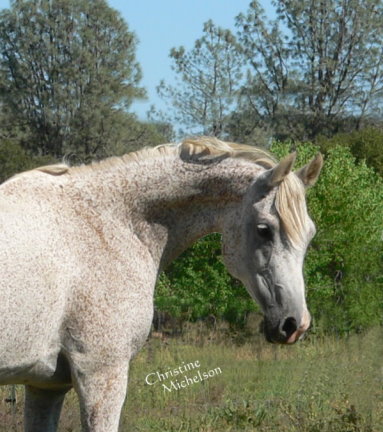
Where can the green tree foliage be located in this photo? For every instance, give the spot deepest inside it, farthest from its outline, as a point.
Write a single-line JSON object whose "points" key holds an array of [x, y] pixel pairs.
{"points": [[344, 265], [68, 71], [197, 285], [365, 144], [313, 66], [14, 159], [267, 88], [208, 80], [317, 68]]}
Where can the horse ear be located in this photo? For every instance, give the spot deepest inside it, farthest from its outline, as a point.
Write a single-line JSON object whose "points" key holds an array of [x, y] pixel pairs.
{"points": [[280, 171], [310, 172]]}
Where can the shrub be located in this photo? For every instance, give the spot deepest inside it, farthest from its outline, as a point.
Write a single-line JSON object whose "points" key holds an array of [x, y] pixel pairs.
{"points": [[197, 285], [14, 159], [366, 144]]}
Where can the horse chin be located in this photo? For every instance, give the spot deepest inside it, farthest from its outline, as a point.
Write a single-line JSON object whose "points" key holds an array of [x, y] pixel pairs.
{"points": [[269, 333], [290, 341]]}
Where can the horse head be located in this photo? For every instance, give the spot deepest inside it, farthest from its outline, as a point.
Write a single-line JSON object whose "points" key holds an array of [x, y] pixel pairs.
{"points": [[265, 243]]}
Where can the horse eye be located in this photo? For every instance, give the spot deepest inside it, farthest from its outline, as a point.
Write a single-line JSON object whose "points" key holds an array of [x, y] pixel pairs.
{"points": [[264, 231]]}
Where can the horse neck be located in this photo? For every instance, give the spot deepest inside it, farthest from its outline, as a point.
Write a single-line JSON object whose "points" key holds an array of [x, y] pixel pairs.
{"points": [[178, 202], [170, 203]]}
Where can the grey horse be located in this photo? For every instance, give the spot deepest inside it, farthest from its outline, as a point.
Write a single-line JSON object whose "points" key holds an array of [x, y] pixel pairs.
{"points": [[81, 249]]}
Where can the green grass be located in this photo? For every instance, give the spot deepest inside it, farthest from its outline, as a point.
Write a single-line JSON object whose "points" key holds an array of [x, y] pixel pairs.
{"points": [[318, 385]]}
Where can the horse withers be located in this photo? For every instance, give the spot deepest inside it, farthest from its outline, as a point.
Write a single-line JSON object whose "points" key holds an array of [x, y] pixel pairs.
{"points": [[81, 249]]}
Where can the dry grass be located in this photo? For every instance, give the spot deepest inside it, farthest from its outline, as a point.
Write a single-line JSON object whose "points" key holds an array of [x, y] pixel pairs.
{"points": [[324, 385]]}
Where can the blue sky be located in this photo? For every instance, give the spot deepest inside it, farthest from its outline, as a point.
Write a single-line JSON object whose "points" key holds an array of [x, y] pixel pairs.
{"points": [[162, 24]]}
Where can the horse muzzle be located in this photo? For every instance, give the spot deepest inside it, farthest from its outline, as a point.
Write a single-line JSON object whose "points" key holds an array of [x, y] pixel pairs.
{"points": [[287, 330]]}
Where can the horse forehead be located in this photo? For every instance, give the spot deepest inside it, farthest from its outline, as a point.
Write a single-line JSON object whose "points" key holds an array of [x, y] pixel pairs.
{"points": [[264, 203]]}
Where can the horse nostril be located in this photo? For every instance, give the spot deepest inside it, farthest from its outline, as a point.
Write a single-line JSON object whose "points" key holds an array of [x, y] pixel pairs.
{"points": [[289, 326]]}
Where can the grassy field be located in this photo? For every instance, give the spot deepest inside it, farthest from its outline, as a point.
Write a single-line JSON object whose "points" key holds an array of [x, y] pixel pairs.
{"points": [[318, 385]]}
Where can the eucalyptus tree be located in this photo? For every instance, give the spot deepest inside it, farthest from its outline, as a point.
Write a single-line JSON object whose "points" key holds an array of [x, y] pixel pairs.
{"points": [[68, 72]]}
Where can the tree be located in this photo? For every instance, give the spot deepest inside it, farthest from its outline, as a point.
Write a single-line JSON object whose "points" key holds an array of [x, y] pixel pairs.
{"points": [[208, 80], [316, 64], [264, 52], [68, 71]]}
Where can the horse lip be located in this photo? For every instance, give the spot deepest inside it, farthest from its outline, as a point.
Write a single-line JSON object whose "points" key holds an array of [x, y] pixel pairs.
{"points": [[295, 336]]}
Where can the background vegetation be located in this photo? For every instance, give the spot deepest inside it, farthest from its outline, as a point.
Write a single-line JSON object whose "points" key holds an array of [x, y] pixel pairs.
{"points": [[310, 80]]}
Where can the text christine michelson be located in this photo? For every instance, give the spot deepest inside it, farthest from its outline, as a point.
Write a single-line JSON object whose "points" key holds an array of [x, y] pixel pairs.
{"points": [[181, 377]]}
